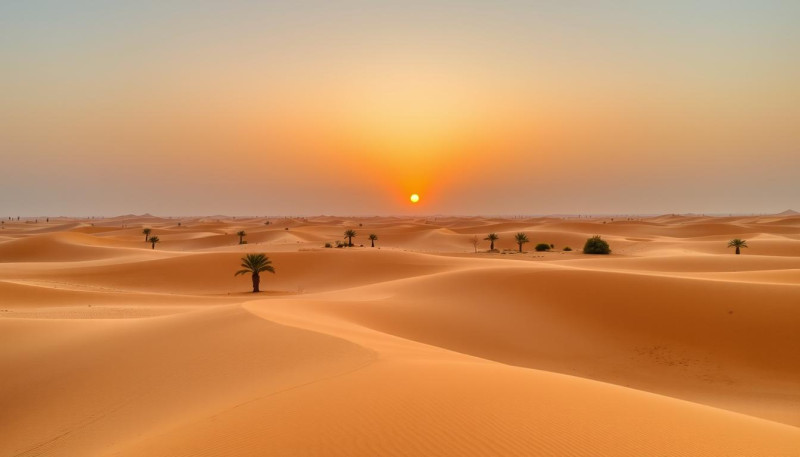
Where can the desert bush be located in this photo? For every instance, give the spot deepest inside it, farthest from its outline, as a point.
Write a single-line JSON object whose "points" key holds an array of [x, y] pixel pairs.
{"points": [[328, 245], [567, 248], [596, 245], [541, 247]]}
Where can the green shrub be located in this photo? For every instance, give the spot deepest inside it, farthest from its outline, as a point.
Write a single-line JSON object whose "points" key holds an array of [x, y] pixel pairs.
{"points": [[542, 247], [567, 248], [596, 245]]}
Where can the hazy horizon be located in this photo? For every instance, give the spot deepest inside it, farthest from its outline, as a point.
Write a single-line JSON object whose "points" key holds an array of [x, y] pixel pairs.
{"points": [[313, 107], [398, 215]]}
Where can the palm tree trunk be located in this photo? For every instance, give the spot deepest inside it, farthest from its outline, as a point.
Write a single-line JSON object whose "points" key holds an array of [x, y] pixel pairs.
{"points": [[373, 243], [256, 281], [737, 250], [154, 246], [491, 246], [520, 247]]}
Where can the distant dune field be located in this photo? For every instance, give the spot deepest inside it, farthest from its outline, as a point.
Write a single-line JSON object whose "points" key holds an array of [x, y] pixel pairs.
{"points": [[671, 345]]}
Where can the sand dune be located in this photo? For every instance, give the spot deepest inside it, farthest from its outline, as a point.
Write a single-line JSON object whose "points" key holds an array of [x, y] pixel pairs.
{"points": [[53, 247], [660, 332], [672, 345]]}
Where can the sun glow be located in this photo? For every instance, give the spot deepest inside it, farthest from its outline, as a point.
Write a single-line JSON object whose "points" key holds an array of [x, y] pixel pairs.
{"points": [[414, 198]]}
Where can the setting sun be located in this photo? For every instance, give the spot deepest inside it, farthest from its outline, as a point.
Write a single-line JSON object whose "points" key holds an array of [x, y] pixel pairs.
{"points": [[414, 198]]}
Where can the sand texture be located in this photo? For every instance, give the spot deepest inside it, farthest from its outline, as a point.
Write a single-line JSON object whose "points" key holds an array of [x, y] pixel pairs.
{"points": [[672, 345]]}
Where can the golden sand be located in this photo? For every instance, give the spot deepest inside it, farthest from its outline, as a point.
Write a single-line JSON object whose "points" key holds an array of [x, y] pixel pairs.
{"points": [[672, 345]]}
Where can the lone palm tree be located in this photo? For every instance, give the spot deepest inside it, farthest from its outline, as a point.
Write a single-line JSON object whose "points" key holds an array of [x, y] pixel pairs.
{"points": [[737, 243], [372, 238], [349, 234], [146, 234], [492, 237], [153, 240], [255, 264], [521, 239], [241, 234]]}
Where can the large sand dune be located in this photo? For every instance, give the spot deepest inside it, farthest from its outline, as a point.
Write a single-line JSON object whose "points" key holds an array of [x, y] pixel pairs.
{"points": [[672, 345]]}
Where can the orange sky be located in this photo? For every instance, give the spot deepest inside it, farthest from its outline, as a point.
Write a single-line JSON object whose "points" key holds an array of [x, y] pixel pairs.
{"points": [[348, 107]]}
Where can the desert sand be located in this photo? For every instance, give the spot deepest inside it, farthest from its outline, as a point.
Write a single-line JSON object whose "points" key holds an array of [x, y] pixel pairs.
{"points": [[671, 345]]}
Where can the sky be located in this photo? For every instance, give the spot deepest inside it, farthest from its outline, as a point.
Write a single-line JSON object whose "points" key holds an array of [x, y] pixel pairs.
{"points": [[348, 107]]}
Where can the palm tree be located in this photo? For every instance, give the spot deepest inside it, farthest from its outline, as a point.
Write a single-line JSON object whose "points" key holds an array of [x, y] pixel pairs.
{"points": [[492, 237], [255, 264], [349, 234], [153, 240], [521, 239], [737, 243], [146, 234], [373, 237], [241, 234]]}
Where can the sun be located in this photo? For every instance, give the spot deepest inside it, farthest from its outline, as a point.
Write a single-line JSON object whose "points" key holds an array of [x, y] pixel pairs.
{"points": [[414, 198]]}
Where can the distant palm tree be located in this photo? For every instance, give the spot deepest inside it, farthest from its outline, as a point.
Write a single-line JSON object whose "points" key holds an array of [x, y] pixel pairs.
{"points": [[255, 264], [492, 237], [241, 234], [349, 234], [737, 243], [521, 239], [146, 234], [153, 240], [373, 237]]}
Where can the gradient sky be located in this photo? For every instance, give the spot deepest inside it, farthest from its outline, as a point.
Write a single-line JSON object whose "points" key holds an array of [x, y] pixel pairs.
{"points": [[326, 107]]}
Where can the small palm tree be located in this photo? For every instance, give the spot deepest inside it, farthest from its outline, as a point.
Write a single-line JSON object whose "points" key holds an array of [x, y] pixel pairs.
{"points": [[255, 264], [241, 234], [349, 234], [153, 240], [372, 238], [737, 243], [492, 237], [521, 239], [146, 232]]}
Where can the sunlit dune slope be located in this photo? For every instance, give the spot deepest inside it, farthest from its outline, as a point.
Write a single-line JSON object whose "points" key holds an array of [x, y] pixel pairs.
{"points": [[691, 338], [82, 387]]}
